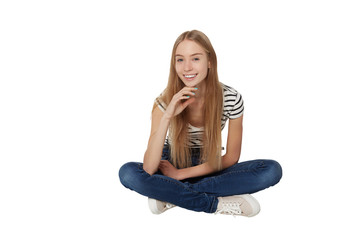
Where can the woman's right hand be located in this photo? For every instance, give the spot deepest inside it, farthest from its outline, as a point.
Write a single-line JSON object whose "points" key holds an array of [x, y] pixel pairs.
{"points": [[176, 105]]}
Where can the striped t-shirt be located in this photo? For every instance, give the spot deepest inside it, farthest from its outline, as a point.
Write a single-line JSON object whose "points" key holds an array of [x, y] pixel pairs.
{"points": [[233, 108]]}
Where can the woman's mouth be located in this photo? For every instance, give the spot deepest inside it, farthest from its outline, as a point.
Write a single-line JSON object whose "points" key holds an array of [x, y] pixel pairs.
{"points": [[190, 77]]}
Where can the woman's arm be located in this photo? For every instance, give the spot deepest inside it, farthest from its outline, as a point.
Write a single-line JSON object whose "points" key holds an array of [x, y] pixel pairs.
{"points": [[234, 142], [233, 150], [159, 125]]}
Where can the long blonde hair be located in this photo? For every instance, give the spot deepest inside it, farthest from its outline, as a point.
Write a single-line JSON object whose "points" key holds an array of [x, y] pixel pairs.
{"points": [[213, 109]]}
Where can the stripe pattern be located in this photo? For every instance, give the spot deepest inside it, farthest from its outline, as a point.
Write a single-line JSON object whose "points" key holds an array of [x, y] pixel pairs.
{"points": [[233, 108]]}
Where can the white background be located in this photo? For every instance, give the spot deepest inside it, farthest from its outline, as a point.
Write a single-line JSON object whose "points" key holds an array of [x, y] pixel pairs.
{"points": [[78, 80]]}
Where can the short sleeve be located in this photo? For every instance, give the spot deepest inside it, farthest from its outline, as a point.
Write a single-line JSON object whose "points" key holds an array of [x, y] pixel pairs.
{"points": [[160, 103], [238, 108]]}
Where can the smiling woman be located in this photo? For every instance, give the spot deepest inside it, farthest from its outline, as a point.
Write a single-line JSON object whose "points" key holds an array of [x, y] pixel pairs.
{"points": [[185, 168], [191, 66]]}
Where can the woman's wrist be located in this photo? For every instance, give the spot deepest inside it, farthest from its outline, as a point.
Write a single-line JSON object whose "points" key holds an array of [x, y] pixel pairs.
{"points": [[196, 171], [165, 118], [181, 174]]}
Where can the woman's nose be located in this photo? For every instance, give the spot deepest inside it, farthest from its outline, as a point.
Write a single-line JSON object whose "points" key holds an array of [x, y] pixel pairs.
{"points": [[188, 66]]}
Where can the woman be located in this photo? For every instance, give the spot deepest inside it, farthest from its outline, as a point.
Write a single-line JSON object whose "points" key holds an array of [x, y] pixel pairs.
{"points": [[185, 168]]}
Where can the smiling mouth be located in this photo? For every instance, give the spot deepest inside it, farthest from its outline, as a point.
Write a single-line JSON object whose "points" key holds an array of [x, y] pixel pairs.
{"points": [[190, 76]]}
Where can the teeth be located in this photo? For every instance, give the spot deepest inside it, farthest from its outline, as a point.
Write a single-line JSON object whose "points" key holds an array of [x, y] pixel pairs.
{"points": [[190, 76]]}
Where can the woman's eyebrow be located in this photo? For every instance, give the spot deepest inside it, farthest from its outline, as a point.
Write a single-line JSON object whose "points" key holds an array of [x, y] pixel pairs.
{"points": [[179, 55]]}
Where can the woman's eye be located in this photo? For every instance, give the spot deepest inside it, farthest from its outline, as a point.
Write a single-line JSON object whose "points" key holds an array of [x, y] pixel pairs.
{"points": [[196, 59], [179, 60]]}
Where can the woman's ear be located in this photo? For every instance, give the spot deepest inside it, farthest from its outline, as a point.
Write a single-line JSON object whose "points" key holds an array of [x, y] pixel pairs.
{"points": [[209, 64]]}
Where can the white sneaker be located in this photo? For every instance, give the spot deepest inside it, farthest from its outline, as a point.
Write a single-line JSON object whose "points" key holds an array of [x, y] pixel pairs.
{"points": [[244, 205], [158, 207]]}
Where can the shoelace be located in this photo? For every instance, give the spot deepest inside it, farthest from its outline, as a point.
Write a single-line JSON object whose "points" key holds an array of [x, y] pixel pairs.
{"points": [[169, 205], [230, 208]]}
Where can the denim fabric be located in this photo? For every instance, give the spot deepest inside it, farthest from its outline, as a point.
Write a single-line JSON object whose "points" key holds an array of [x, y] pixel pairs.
{"points": [[200, 194]]}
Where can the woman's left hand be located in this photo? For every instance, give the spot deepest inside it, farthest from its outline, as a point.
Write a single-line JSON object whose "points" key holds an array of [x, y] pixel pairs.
{"points": [[168, 169]]}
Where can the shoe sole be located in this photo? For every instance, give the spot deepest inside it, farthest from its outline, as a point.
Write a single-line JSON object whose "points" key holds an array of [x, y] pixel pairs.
{"points": [[253, 203], [153, 206]]}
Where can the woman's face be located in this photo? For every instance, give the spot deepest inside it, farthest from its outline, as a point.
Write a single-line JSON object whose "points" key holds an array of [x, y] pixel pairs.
{"points": [[191, 63]]}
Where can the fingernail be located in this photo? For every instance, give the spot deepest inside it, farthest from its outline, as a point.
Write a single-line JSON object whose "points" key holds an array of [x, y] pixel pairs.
{"points": [[196, 88]]}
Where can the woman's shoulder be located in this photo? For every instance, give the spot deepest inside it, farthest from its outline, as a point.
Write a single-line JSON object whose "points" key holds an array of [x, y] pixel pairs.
{"points": [[233, 102], [160, 102], [229, 90]]}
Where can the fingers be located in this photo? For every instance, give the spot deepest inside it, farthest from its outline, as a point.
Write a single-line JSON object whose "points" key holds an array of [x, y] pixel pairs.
{"points": [[161, 163], [188, 91], [164, 164], [188, 102], [177, 105], [185, 93]]}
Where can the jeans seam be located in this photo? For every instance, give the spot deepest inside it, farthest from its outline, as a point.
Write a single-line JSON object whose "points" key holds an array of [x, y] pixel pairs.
{"points": [[212, 205], [229, 173], [221, 176]]}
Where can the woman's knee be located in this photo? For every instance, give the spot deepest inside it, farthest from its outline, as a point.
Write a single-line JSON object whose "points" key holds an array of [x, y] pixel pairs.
{"points": [[127, 173], [273, 171]]}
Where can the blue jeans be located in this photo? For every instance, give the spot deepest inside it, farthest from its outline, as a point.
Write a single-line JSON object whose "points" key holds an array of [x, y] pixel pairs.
{"points": [[200, 194]]}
